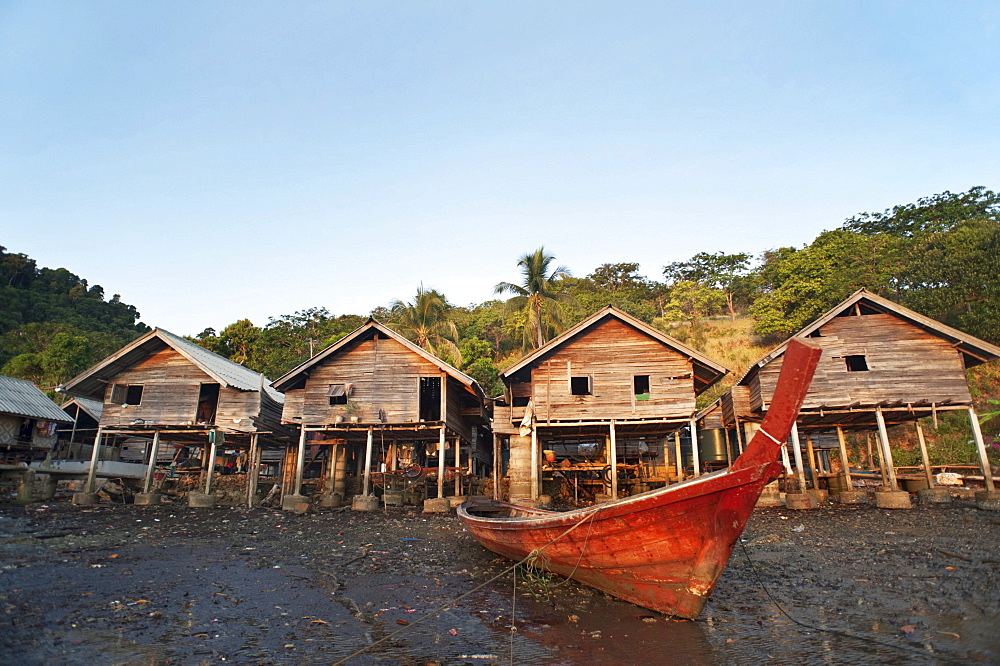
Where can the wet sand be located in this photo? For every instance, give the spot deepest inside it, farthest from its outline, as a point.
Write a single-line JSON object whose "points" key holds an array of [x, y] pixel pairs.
{"points": [[124, 584]]}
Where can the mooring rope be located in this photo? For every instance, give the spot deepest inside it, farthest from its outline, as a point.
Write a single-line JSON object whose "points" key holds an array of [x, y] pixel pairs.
{"points": [[837, 632], [460, 597]]}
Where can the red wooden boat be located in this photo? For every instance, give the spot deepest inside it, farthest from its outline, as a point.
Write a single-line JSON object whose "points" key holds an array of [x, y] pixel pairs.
{"points": [[666, 548]]}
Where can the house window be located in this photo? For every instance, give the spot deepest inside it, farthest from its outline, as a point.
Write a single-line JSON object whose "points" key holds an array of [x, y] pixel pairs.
{"points": [[337, 394], [581, 385], [126, 394], [856, 363], [640, 387], [521, 400], [430, 399]]}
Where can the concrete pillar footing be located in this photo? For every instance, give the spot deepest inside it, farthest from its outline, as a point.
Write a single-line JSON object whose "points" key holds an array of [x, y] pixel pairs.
{"points": [[800, 501], [934, 496], [853, 497], [437, 505], [365, 503], [201, 501], [147, 499], [331, 500], [988, 501], [893, 499], [293, 502], [85, 499]]}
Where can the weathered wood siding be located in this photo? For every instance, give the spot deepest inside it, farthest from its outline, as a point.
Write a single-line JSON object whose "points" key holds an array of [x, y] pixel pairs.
{"points": [[170, 389], [736, 404], [612, 353], [905, 365]]}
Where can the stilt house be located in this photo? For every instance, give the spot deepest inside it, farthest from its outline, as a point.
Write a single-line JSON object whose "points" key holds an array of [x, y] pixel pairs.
{"points": [[599, 401], [163, 386], [28, 421], [882, 365], [374, 402]]}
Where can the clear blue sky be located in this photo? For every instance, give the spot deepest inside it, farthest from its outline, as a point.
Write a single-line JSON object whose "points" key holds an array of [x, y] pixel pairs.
{"points": [[217, 160]]}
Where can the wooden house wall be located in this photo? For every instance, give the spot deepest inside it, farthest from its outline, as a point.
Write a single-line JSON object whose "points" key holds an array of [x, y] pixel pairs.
{"points": [[612, 353], [170, 388], [386, 376], [735, 404], [459, 400], [905, 364]]}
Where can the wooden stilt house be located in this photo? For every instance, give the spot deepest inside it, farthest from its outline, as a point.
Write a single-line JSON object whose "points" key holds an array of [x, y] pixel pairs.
{"points": [[163, 387], [882, 365], [28, 421], [598, 402], [382, 414]]}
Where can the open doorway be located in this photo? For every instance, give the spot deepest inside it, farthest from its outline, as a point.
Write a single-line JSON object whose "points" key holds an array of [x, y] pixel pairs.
{"points": [[208, 403], [430, 398]]}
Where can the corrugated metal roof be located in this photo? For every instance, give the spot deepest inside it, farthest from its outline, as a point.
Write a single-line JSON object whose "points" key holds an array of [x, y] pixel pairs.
{"points": [[22, 398], [92, 407]]}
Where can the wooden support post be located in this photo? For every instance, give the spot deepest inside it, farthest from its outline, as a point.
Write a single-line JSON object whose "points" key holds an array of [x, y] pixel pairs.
{"points": [[253, 470], [92, 472], [340, 478], [797, 454], [536, 463], [613, 447], [154, 449], [695, 453], [678, 456], [665, 454], [300, 461], [883, 436], [497, 465], [843, 457], [811, 452], [440, 484], [739, 436], [729, 453], [458, 466], [369, 445], [784, 459], [213, 450], [977, 433], [923, 455]]}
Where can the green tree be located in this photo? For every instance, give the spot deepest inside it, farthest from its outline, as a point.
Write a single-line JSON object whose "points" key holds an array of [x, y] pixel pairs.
{"points": [[720, 271], [426, 322], [692, 301], [539, 296]]}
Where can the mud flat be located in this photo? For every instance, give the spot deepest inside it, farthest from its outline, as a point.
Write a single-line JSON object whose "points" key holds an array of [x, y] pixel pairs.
{"points": [[167, 584]]}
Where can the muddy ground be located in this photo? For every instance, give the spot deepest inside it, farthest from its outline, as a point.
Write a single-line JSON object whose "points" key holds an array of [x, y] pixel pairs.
{"points": [[125, 584]]}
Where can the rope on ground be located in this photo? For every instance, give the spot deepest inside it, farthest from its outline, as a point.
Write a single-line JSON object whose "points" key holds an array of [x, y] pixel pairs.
{"points": [[460, 597], [837, 632]]}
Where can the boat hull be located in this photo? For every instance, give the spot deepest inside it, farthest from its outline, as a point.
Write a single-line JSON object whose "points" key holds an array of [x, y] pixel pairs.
{"points": [[663, 549]]}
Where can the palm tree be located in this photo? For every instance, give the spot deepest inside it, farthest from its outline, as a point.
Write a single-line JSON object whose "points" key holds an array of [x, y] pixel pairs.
{"points": [[425, 321], [539, 296]]}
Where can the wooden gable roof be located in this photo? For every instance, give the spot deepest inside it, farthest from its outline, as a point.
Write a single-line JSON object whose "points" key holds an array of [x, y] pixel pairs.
{"points": [[706, 371], [91, 382], [296, 377], [974, 351]]}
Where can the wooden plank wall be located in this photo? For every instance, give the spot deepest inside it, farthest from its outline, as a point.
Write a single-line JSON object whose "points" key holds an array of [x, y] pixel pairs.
{"points": [[612, 353], [170, 388], [906, 364], [458, 397]]}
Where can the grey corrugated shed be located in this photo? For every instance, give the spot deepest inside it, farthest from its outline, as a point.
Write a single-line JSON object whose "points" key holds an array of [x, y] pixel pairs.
{"points": [[22, 398]]}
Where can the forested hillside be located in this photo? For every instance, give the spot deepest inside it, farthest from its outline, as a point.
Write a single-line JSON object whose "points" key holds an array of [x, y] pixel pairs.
{"points": [[938, 256], [53, 324]]}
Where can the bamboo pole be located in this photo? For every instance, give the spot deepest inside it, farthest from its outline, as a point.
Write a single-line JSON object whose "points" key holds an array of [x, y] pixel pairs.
{"points": [[843, 457], [154, 449], [883, 436], [923, 454], [613, 446], [797, 453], [977, 432]]}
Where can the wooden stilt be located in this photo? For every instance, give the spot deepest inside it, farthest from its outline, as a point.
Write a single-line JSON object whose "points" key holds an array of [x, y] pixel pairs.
{"points": [[536, 463], [695, 454], [613, 449], [924, 456], [212, 451], [883, 435], [843, 457], [811, 452], [369, 445], [977, 433], [154, 449], [739, 436], [497, 465], [440, 479], [797, 454], [94, 456], [729, 453], [458, 467], [300, 461], [678, 456], [253, 470]]}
